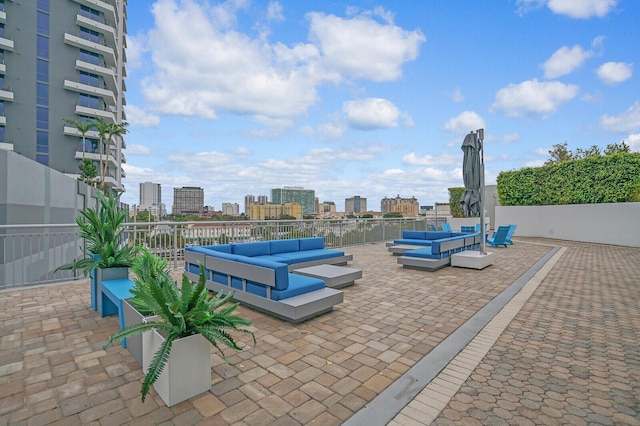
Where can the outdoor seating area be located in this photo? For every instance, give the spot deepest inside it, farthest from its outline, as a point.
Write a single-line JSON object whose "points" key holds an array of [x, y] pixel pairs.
{"points": [[338, 368], [263, 275], [431, 251]]}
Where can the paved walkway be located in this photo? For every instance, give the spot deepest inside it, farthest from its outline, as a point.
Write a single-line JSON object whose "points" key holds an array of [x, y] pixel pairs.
{"points": [[564, 350]]}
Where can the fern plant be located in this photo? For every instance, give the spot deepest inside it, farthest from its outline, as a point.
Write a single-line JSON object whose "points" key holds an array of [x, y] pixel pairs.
{"points": [[103, 232], [183, 311]]}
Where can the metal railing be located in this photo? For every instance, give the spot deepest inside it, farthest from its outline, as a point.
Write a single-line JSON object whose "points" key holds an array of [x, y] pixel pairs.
{"points": [[30, 254]]}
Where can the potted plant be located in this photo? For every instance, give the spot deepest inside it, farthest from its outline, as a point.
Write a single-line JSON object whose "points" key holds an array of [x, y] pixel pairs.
{"points": [[146, 267], [109, 256], [187, 317]]}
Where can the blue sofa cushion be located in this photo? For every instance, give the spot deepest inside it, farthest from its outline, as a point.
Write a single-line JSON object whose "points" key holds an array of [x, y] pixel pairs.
{"points": [[258, 248], [415, 242], [283, 246], [417, 235], [310, 255], [224, 248], [282, 270], [298, 284], [426, 253], [313, 243], [273, 258]]}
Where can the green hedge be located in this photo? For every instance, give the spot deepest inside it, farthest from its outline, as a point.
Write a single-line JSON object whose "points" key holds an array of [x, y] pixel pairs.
{"points": [[599, 179], [455, 196]]}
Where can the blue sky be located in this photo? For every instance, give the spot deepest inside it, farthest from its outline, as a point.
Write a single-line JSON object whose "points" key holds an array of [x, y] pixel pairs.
{"points": [[369, 98]]}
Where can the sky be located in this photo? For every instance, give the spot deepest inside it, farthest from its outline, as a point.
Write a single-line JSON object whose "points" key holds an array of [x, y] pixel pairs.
{"points": [[369, 98]]}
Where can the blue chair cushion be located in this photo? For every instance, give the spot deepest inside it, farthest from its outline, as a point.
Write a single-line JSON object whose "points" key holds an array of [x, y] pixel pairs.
{"points": [[283, 246], [313, 243]]}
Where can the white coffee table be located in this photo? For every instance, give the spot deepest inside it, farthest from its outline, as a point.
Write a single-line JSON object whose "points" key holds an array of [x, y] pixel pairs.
{"points": [[332, 275]]}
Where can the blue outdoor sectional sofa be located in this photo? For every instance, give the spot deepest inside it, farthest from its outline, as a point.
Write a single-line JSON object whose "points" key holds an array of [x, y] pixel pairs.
{"points": [[261, 275], [434, 249]]}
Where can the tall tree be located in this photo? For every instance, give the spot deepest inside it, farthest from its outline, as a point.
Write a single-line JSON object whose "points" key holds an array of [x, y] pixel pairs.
{"points": [[559, 153], [83, 127], [117, 130], [101, 127], [614, 148]]}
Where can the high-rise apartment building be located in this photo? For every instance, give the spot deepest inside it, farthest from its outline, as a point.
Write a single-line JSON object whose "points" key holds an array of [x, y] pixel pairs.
{"points": [[188, 199], [355, 204], [150, 194], [63, 59], [231, 209], [295, 194], [251, 199]]}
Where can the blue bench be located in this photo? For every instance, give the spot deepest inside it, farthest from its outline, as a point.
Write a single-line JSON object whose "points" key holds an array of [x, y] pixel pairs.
{"points": [[112, 293]]}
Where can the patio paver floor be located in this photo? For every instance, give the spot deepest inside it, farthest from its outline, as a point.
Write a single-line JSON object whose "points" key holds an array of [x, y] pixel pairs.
{"points": [[569, 356]]}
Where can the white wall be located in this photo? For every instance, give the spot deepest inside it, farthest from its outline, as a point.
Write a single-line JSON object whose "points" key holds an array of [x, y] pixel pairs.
{"points": [[615, 223]]}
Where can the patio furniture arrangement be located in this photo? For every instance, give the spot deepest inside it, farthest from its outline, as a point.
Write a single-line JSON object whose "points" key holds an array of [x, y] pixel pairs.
{"points": [[261, 275], [422, 238], [438, 253]]}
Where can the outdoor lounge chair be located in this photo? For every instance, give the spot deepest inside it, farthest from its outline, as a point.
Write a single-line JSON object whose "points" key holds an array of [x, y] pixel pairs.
{"points": [[432, 227], [499, 237], [512, 229], [446, 227]]}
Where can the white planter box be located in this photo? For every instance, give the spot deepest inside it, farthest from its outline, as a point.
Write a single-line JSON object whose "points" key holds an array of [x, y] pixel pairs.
{"points": [[134, 343], [188, 370]]}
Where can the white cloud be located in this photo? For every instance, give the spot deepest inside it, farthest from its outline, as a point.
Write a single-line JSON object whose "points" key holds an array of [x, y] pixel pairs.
{"points": [[136, 48], [579, 9], [371, 113], [138, 150], [533, 98], [582, 9], [510, 138], [634, 142], [331, 131], [274, 12], [230, 71], [464, 123], [432, 160], [564, 61], [626, 122], [614, 72], [139, 117], [361, 47]]}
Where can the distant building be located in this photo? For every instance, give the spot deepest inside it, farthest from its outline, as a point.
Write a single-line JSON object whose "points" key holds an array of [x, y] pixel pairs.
{"points": [[250, 199], [274, 211], [231, 209], [406, 206], [355, 204], [327, 207], [151, 199], [295, 194], [188, 199]]}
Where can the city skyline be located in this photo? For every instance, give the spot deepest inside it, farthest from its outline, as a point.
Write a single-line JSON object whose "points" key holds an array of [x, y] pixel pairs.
{"points": [[370, 99]]}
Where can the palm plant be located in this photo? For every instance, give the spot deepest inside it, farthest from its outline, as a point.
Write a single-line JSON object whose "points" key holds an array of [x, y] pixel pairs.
{"points": [[83, 127], [103, 231], [111, 130], [183, 311], [101, 126]]}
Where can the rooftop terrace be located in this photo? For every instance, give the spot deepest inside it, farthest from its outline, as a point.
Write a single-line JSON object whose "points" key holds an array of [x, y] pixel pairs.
{"points": [[407, 347]]}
